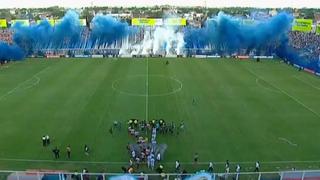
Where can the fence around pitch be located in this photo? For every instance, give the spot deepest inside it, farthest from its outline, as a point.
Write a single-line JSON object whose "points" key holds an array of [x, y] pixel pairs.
{"points": [[53, 175]]}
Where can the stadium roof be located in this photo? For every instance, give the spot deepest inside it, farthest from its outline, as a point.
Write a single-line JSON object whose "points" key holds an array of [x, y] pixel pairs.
{"points": [[125, 3]]}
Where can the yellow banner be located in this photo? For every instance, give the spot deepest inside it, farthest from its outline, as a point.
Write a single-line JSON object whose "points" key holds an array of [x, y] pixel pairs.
{"points": [[51, 21], [3, 23], [144, 21], [83, 22], [57, 21], [24, 22], [303, 25], [318, 29], [176, 22]]}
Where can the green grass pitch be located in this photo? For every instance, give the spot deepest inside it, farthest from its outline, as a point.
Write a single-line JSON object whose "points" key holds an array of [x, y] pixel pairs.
{"points": [[244, 111]]}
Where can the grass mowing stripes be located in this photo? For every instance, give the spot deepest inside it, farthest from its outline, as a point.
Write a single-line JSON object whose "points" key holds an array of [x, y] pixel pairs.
{"points": [[243, 111]]}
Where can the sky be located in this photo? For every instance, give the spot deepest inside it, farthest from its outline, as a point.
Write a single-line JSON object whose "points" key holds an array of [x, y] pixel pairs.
{"points": [[126, 3]]}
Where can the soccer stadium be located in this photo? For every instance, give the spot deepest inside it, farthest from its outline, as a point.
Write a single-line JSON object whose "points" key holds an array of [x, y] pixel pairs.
{"points": [[159, 92]]}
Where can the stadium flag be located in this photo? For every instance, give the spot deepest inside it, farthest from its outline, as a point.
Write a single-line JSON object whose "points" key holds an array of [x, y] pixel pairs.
{"points": [[24, 22], [303, 25], [3, 23], [51, 21], [175, 21], [146, 22]]}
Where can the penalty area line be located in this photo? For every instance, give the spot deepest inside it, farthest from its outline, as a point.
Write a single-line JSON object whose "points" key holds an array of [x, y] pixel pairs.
{"points": [[22, 83], [285, 93], [308, 83]]}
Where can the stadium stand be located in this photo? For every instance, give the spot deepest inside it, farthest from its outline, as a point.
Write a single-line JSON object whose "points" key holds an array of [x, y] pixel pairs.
{"points": [[309, 41], [6, 35]]}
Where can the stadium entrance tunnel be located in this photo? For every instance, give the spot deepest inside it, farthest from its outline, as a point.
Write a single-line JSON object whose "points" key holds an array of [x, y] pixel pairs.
{"points": [[151, 85]]}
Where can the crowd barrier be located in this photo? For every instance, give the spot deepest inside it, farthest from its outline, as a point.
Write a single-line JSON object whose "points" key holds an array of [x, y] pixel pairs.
{"points": [[307, 70], [63, 175]]}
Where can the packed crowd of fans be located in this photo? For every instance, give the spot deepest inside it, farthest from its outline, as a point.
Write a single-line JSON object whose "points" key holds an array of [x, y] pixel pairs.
{"points": [[6, 35], [310, 42]]}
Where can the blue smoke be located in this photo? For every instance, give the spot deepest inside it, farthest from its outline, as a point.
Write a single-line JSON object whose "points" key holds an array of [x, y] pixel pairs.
{"points": [[299, 57], [67, 34], [10, 52], [229, 34], [106, 29], [226, 35], [30, 37]]}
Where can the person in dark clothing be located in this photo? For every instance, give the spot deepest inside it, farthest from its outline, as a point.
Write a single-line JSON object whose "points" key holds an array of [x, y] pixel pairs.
{"points": [[100, 177], [44, 141], [184, 174], [124, 169], [160, 169], [111, 131], [56, 152], [75, 176], [196, 158]]}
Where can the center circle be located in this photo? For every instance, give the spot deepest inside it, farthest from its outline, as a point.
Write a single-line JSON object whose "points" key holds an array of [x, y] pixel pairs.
{"points": [[143, 85]]}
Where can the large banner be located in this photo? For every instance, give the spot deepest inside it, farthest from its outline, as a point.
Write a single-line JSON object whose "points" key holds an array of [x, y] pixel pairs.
{"points": [[51, 21], [3, 23], [146, 22], [158, 22], [83, 22], [318, 29], [24, 22], [175, 22], [303, 25]]}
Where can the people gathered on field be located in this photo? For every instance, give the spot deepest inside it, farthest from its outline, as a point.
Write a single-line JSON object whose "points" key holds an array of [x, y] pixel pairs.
{"points": [[144, 150]]}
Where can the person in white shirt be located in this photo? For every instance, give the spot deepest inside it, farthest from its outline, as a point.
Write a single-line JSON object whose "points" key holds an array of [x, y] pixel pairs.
{"points": [[177, 166], [227, 170], [238, 168], [48, 139], [210, 169], [133, 154], [158, 157], [257, 167], [152, 163]]}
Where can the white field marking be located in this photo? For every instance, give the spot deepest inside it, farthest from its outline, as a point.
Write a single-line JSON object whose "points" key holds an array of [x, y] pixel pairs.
{"points": [[4, 67], [147, 91], [269, 89], [188, 163], [285, 93], [22, 83], [287, 141], [315, 87], [33, 84], [150, 95]]}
